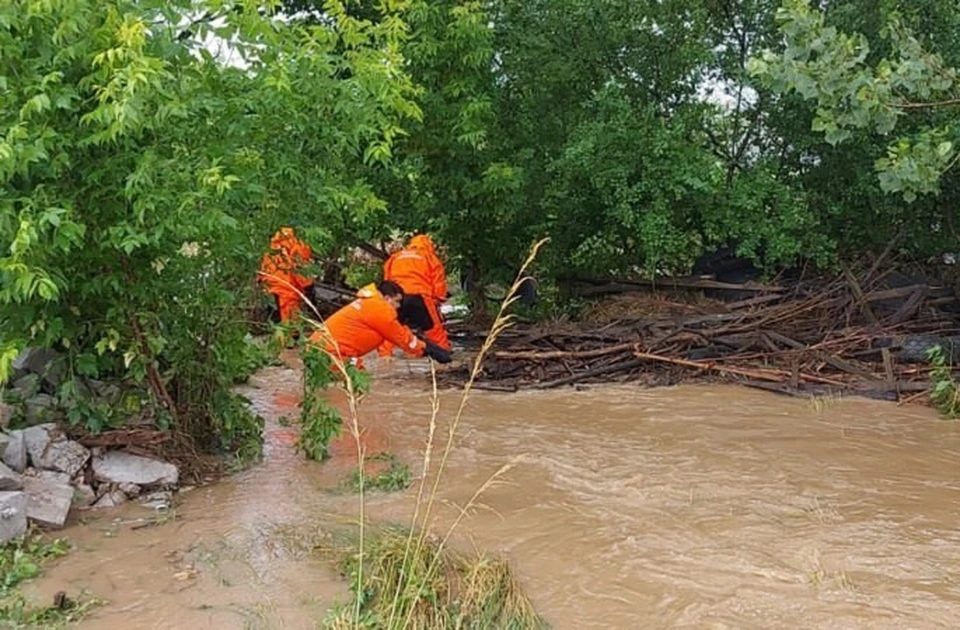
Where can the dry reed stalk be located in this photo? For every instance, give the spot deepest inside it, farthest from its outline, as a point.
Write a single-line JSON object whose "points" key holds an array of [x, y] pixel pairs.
{"points": [[413, 552]]}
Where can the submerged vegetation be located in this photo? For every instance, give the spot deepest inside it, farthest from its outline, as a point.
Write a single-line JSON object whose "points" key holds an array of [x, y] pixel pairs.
{"points": [[429, 589], [945, 394], [408, 577], [320, 421], [21, 560], [392, 478]]}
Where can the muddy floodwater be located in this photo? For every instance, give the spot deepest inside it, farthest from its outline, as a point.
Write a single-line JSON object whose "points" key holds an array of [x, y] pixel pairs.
{"points": [[689, 507]]}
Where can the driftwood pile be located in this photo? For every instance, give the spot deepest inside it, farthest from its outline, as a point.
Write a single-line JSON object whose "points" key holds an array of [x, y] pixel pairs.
{"points": [[865, 333]]}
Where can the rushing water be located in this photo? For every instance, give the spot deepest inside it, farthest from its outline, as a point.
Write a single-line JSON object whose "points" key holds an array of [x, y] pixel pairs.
{"points": [[690, 507]]}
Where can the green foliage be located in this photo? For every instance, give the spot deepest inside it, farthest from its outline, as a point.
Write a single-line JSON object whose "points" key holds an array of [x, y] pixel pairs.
{"points": [[141, 175], [20, 561], [256, 354], [855, 92], [16, 613], [321, 422], [945, 394], [362, 274], [394, 478], [141, 178], [429, 587]]}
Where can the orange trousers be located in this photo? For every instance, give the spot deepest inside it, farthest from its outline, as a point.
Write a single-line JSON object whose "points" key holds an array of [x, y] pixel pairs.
{"points": [[288, 305], [437, 333]]}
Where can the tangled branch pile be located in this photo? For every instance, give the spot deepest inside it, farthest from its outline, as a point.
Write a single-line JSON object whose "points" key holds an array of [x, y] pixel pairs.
{"points": [[865, 333]]}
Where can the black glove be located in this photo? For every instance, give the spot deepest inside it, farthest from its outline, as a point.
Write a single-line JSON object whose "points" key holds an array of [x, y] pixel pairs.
{"points": [[437, 353]]}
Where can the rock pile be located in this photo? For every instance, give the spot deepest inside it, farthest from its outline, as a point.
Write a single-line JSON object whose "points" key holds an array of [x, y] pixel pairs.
{"points": [[44, 474]]}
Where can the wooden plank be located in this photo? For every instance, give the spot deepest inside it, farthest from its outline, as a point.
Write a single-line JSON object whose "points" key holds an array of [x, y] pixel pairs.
{"points": [[610, 369], [563, 354], [887, 364], [777, 376], [858, 292], [835, 361]]}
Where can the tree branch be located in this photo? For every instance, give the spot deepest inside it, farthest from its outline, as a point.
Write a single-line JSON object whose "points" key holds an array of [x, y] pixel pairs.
{"points": [[947, 103]]}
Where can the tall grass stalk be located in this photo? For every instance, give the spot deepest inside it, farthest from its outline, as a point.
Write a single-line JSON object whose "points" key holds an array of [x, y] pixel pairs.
{"points": [[412, 578], [353, 401], [502, 322]]}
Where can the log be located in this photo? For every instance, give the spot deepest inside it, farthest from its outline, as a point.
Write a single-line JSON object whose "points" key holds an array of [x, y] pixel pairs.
{"points": [[495, 387], [836, 362], [755, 301], [562, 354], [775, 388], [901, 292], [124, 437], [913, 397], [610, 369], [908, 309], [858, 292], [633, 286], [777, 376]]}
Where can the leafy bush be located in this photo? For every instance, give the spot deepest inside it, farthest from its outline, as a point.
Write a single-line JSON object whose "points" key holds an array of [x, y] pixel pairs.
{"points": [[320, 421], [945, 394], [141, 179]]}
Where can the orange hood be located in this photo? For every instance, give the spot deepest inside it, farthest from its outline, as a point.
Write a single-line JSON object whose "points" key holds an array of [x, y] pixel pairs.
{"points": [[282, 237], [368, 291], [422, 243]]}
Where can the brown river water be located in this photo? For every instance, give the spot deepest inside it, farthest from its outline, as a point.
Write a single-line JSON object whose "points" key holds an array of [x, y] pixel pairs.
{"points": [[687, 507]]}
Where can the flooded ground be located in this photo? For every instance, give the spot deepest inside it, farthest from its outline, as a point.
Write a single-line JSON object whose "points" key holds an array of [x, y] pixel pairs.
{"points": [[691, 507]]}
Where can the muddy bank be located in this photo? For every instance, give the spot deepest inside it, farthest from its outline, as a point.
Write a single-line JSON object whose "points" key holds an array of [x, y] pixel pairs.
{"points": [[695, 506]]}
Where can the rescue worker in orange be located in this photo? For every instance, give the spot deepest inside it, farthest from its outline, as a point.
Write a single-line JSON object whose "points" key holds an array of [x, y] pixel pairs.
{"points": [[363, 325], [278, 271], [419, 272]]}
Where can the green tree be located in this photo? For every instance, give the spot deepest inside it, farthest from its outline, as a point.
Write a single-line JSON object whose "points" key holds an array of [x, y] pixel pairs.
{"points": [[142, 178], [855, 91]]}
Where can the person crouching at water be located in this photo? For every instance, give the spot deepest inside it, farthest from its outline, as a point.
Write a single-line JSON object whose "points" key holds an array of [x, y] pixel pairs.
{"points": [[366, 323]]}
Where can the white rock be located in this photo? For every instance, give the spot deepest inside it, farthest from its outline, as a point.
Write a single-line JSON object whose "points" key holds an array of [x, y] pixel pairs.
{"points": [[37, 438], [9, 480], [40, 408], [35, 360], [25, 387], [15, 455], [13, 515], [119, 467], [65, 456], [48, 502], [48, 475], [50, 450]]}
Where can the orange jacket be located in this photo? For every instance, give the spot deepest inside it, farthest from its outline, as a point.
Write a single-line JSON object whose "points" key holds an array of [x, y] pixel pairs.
{"points": [[359, 327], [417, 269], [287, 254]]}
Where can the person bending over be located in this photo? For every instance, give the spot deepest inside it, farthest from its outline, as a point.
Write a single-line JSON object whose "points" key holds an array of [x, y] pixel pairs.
{"points": [[366, 323]]}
